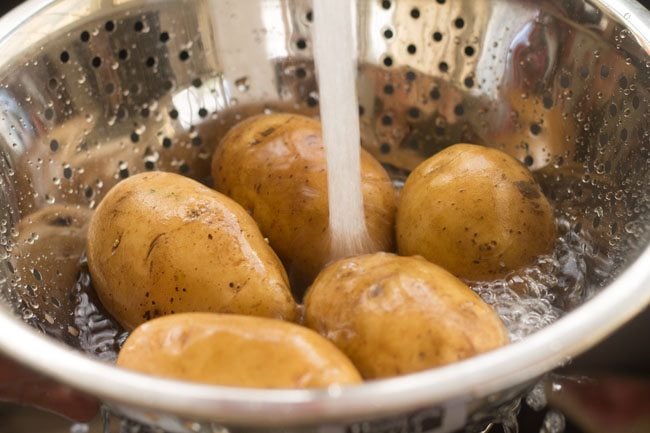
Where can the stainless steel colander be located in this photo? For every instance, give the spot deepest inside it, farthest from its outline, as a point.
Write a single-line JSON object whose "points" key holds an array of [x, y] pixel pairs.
{"points": [[92, 91]]}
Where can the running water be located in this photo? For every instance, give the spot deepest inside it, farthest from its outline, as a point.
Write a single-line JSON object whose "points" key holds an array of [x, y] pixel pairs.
{"points": [[335, 56]]}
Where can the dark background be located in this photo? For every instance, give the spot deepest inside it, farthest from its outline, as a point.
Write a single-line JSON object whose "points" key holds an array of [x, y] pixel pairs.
{"points": [[627, 352]]}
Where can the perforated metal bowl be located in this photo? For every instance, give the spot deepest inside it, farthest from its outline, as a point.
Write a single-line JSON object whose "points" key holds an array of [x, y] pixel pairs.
{"points": [[95, 90]]}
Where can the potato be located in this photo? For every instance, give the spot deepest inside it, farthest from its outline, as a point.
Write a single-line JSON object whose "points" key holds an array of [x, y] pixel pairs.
{"points": [[160, 243], [394, 315], [236, 351], [46, 259], [475, 211], [275, 167]]}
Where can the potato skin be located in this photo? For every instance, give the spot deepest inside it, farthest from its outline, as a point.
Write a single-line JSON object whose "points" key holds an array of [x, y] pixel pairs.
{"points": [[56, 254], [236, 350], [475, 211], [160, 243], [394, 315], [275, 167]]}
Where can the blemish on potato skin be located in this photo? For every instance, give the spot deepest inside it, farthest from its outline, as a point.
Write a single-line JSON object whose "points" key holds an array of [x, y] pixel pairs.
{"points": [[116, 243], [376, 290], [528, 189], [152, 245], [61, 221], [267, 132]]}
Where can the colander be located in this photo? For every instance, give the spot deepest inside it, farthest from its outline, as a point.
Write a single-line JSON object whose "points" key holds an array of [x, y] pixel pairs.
{"points": [[92, 91]]}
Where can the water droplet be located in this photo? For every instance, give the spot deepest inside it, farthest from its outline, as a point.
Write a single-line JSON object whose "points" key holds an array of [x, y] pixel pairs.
{"points": [[632, 228], [242, 84]]}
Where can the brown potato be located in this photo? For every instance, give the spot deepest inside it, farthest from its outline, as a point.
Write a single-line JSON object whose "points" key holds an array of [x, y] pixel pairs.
{"points": [[161, 243], [475, 211], [275, 167], [394, 315], [236, 351], [46, 259]]}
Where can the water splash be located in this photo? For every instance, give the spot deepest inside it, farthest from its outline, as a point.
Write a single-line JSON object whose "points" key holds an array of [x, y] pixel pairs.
{"points": [[535, 296]]}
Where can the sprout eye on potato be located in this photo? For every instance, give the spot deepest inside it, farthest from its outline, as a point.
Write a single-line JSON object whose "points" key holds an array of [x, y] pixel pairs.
{"points": [[161, 243], [475, 211], [275, 167], [394, 315], [236, 351]]}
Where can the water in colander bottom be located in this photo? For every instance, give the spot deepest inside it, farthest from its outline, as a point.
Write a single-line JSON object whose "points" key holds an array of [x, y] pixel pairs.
{"points": [[99, 334]]}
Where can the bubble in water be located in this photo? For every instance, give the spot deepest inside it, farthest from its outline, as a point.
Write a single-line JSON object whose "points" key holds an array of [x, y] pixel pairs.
{"points": [[554, 422]]}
